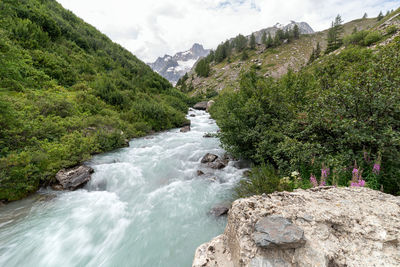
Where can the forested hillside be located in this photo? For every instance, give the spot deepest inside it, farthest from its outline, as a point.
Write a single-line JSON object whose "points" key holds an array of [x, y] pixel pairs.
{"points": [[334, 122], [66, 92]]}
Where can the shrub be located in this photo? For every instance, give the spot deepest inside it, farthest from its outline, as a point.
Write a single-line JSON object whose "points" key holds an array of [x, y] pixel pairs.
{"points": [[372, 38]]}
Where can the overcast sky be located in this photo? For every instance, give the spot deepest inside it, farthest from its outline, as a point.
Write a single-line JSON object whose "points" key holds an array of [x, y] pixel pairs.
{"points": [[152, 28]]}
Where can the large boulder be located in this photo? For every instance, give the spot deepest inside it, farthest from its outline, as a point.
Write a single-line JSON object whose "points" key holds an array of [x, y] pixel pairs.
{"points": [[220, 209], [201, 105], [74, 178], [209, 105], [324, 226], [217, 164]]}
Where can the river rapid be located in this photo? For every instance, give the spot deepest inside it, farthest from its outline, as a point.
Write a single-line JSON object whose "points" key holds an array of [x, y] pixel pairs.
{"points": [[145, 206]]}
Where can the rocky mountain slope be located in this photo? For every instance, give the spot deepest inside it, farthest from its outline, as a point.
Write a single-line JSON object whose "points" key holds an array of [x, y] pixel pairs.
{"points": [[174, 67], [272, 62], [304, 28], [324, 226]]}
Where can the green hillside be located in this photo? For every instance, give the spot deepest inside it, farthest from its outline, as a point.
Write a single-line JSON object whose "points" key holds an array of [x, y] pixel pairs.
{"points": [[67, 92], [270, 61], [336, 121]]}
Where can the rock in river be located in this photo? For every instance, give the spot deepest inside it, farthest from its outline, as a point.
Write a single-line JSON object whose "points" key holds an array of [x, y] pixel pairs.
{"points": [[185, 129], [74, 178], [209, 158]]}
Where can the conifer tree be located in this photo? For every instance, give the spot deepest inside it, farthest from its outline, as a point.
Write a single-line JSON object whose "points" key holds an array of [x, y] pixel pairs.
{"points": [[365, 15], [380, 16], [334, 35], [296, 32], [252, 42], [270, 41], [264, 38]]}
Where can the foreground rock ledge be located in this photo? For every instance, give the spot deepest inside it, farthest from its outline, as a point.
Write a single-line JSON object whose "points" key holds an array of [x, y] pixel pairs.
{"points": [[341, 227]]}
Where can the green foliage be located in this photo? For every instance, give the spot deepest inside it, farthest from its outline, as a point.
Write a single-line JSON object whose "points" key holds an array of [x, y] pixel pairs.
{"points": [[328, 113], [391, 30], [262, 179], [334, 35], [296, 32], [264, 38], [380, 16], [252, 42], [202, 68], [372, 38], [223, 51], [240, 43], [66, 92]]}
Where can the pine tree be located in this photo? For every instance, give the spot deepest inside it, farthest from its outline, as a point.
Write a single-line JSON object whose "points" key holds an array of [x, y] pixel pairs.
{"points": [[317, 51], [252, 42], [380, 16], [354, 30], [387, 13], [296, 32], [365, 15], [334, 35], [240, 42], [270, 41], [264, 38], [245, 56]]}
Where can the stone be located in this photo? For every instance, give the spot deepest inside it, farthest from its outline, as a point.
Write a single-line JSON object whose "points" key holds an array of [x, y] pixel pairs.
{"points": [[220, 209], [199, 173], [348, 226], [74, 178], [217, 164], [185, 129], [208, 135], [242, 164], [192, 115], [209, 158], [209, 105], [201, 105], [278, 232]]}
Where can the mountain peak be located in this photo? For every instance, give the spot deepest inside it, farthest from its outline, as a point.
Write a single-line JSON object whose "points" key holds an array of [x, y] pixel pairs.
{"points": [[174, 67]]}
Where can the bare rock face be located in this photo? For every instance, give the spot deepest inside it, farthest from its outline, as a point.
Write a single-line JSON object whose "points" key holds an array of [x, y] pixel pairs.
{"points": [[324, 226], [74, 178], [220, 209]]}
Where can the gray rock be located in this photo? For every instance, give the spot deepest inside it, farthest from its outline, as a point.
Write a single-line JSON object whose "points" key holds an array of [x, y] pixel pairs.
{"points": [[192, 115], [201, 105], [278, 232], [209, 105], [242, 164], [217, 164], [185, 129], [220, 210], [208, 135], [199, 173], [74, 178], [209, 158]]}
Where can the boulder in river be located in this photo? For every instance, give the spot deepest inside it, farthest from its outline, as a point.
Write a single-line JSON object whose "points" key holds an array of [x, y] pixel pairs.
{"points": [[209, 158], [201, 105], [199, 173], [208, 135], [192, 115], [216, 164], [74, 178], [185, 129]]}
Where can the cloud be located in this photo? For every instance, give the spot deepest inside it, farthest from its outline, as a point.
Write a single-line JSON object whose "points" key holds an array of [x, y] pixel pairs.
{"points": [[153, 28]]}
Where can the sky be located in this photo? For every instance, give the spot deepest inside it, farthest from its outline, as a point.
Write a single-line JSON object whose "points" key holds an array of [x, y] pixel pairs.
{"points": [[152, 28]]}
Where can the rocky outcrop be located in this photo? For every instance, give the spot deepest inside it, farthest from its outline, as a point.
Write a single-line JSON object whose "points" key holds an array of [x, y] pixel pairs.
{"points": [[209, 105], [209, 158], [220, 209], [213, 161], [73, 178], [324, 226]]}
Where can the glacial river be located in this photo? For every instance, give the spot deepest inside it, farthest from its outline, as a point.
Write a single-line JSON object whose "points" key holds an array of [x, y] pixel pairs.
{"points": [[144, 207]]}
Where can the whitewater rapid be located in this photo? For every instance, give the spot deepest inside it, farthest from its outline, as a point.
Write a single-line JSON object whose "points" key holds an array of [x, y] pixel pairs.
{"points": [[145, 206]]}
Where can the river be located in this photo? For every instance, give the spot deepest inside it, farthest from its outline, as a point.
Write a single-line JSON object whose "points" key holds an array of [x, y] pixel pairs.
{"points": [[145, 206]]}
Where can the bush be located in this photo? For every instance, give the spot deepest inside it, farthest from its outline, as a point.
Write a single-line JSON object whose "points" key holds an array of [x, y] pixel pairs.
{"points": [[328, 113], [372, 38], [391, 30]]}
